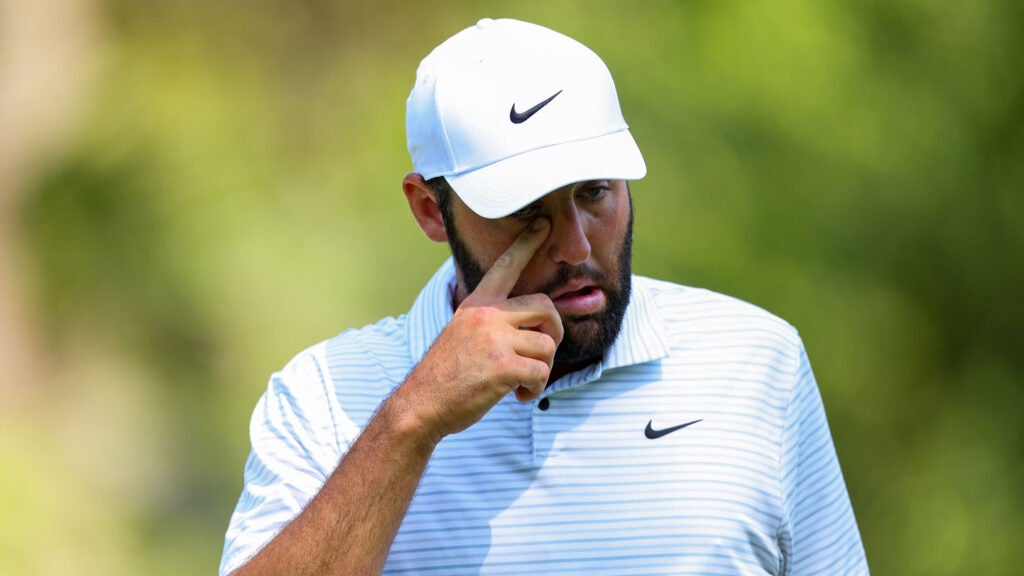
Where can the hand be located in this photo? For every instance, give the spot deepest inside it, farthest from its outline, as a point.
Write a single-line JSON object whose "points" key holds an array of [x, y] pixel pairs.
{"points": [[493, 345]]}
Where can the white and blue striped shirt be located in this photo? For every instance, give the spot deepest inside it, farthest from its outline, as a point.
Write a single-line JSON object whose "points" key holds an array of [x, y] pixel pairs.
{"points": [[571, 483]]}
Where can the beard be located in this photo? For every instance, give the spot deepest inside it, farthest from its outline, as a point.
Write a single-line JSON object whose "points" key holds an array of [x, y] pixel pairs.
{"points": [[586, 337]]}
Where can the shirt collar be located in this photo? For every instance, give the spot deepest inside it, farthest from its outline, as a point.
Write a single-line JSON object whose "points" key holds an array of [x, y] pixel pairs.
{"points": [[642, 338], [431, 311]]}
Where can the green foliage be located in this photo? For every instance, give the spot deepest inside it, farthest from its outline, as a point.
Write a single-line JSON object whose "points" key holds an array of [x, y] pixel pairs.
{"points": [[234, 197]]}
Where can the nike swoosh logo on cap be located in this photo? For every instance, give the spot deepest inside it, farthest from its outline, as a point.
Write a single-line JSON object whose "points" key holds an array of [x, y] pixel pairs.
{"points": [[520, 117]]}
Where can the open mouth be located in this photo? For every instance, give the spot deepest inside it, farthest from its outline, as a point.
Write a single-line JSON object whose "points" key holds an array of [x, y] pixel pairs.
{"points": [[581, 293], [585, 300]]}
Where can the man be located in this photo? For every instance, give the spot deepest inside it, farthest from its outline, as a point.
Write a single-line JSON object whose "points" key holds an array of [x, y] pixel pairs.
{"points": [[539, 410]]}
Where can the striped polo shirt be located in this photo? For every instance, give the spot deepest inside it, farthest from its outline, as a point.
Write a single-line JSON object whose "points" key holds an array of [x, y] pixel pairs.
{"points": [[697, 445]]}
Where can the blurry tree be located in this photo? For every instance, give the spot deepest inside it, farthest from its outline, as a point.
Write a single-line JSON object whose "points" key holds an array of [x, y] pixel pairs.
{"points": [[47, 62]]}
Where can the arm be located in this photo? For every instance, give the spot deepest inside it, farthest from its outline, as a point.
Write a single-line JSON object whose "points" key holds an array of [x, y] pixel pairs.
{"points": [[347, 528], [481, 356]]}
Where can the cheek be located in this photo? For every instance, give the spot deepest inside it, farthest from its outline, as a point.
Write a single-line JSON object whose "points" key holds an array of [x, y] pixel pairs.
{"points": [[488, 245], [608, 231]]}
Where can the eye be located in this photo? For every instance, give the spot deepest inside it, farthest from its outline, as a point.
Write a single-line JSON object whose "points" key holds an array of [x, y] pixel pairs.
{"points": [[594, 192], [528, 213]]}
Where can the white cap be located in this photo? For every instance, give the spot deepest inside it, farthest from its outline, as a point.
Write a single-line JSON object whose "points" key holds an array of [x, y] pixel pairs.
{"points": [[509, 111]]}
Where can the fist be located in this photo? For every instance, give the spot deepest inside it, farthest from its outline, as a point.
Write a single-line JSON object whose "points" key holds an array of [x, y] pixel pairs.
{"points": [[493, 345]]}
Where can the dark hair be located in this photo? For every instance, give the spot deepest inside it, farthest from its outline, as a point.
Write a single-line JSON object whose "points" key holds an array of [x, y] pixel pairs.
{"points": [[443, 194]]}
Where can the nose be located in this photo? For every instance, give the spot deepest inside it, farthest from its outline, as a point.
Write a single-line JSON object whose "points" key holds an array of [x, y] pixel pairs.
{"points": [[568, 242]]}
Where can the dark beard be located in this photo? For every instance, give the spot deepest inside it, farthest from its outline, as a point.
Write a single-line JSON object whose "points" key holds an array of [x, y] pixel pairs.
{"points": [[586, 337]]}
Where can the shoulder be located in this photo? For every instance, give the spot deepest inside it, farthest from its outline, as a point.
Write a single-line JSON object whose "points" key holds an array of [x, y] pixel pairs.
{"points": [[344, 378], [384, 334], [697, 304], [363, 365], [355, 352], [690, 315]]}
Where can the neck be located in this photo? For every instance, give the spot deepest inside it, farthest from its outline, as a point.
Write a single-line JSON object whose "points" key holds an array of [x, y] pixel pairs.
{"points": [[559, 370]]}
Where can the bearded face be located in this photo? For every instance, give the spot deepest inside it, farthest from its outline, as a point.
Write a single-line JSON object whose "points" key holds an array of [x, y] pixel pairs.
{"points": [[607, 269]]}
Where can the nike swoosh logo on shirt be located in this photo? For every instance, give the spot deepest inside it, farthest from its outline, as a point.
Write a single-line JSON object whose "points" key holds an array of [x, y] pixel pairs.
{"points": [[520, 117], [653, 434]]}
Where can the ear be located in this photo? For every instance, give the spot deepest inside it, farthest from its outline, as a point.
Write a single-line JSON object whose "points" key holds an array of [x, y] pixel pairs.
{"points": [[423, 205]]}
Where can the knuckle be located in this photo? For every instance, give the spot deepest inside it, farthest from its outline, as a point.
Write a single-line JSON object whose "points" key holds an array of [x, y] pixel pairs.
{"points": [[503, 262], [498, 358], [550, 346], [539, 375], [479, 315], [537, 300]]}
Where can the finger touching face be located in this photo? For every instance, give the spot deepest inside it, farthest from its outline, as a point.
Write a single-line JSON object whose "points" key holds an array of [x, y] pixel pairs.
{"points": [[499, 281]]}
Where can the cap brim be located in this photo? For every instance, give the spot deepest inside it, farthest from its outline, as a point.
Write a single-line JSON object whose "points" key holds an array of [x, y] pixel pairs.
{"points": [[501, 188]]}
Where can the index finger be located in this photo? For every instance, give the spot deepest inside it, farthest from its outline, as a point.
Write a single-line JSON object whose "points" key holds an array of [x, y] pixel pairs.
{"points": [[499, 281]]}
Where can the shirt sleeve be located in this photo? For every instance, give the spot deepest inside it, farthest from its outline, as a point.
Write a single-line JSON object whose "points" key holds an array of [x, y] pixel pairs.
{"points": [[819, 533], [295, 448]]}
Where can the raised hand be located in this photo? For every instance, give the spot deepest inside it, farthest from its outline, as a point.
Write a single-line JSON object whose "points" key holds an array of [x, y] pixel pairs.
{"points": [[494, 345]]}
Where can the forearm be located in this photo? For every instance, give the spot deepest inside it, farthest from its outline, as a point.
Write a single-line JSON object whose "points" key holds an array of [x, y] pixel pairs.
{"points": [[493, 345], [348, 527]]}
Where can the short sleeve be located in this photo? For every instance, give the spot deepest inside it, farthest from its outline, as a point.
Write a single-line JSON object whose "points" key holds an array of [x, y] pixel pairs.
{"points": [[819, 533], [295, 448]]}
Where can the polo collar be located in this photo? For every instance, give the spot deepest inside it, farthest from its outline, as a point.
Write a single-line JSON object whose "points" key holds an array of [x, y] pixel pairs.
{"points": [[642, 338]]}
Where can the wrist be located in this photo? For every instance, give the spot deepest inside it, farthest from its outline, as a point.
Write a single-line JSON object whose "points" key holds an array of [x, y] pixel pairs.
{"points": [[404, 422]]}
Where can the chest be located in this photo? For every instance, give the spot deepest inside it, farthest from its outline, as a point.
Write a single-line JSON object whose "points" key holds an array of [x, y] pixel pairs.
{"points": [[634, 473]]}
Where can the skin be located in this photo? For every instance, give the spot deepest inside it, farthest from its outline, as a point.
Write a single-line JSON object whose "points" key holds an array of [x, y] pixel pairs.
{"points": [[502, 339], [589, 249]]}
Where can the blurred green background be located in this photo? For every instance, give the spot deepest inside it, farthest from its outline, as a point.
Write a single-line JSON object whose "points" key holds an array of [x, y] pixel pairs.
{"points": [[193, 191]]}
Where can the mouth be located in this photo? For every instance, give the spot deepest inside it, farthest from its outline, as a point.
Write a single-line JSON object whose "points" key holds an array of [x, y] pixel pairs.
{"points": [[578, 299]]}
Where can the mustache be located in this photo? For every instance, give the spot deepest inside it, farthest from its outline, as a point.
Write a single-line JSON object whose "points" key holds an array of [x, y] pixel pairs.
{"points": [[567, 274]]}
